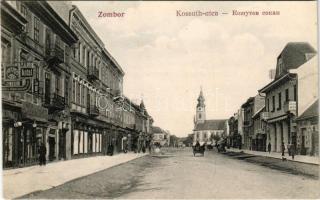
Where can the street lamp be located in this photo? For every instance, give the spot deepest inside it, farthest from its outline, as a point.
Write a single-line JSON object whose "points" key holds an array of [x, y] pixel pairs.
{"points": [[17, 124]]}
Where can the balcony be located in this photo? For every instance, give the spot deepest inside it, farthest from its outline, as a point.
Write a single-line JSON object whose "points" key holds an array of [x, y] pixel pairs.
{"points": [[55, 102], [264, 116], [94, 111], [32, 43], [93, 73], [247, 123], [290, 107], [55, 55]]}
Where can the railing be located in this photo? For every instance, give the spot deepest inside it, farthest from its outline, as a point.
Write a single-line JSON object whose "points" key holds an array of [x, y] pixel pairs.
{"points": [[93, 73], [33, 44], [290, 106], [247, 123], [55, 54], [55, 102], [94, 110]]}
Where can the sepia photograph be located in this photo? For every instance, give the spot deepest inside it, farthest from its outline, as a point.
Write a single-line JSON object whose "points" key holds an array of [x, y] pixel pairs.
{"points": [[159, 100]]}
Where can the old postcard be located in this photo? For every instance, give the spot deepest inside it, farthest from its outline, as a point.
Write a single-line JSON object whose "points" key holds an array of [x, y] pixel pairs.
{"points": [[159, 100]]}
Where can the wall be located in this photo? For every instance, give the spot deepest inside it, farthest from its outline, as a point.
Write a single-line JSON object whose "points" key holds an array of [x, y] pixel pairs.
{"points": [[307, 84]]}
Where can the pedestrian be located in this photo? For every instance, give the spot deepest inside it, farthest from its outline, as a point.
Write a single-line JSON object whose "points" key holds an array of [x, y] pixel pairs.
{"points": [[269, 147], [292, 151], [110, 150], [42, 154], [282, 150]]}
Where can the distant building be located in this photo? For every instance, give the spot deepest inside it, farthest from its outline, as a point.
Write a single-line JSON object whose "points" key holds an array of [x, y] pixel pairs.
{"points": [[160, 136], [204, 130], [252, 105]]}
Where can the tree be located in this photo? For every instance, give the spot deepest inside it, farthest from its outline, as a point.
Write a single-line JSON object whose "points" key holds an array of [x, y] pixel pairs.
{"points": [[216, 138]]}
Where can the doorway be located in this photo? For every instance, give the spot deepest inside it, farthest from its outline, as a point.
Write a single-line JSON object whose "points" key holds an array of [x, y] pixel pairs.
{"points": [[303, 139], [62, 145]]}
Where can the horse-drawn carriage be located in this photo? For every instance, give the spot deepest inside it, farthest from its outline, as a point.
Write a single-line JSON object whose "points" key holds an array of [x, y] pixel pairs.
{"points": [[198, 148]]}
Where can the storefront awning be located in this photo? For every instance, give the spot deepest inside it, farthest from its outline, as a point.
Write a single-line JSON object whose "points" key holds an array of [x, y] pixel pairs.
{"points": [[277, 118]]}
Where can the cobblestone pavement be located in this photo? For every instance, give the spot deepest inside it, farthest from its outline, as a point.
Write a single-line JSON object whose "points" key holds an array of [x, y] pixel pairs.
{"points": [[178, 174]]}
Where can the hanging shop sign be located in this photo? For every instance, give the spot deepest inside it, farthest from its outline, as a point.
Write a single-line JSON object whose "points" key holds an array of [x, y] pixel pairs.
{"points": [[26, 72], [12, 72], [34, 112]]}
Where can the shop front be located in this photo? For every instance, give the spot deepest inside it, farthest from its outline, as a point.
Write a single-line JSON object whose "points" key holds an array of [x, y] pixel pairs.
{"points": [[23, 130], [86, 137]]}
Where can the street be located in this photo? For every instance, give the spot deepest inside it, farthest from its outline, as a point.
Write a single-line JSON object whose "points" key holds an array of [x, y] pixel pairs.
{"points": [[177, 174]]}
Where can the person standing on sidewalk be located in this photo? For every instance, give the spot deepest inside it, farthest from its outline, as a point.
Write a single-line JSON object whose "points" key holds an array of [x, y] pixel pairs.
{"points": [[282, 149], [42, 154], [292, 151], [269, 147]]}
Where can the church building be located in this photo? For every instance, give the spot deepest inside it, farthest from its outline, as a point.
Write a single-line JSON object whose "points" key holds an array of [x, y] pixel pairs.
{"points": [[204, 130]]}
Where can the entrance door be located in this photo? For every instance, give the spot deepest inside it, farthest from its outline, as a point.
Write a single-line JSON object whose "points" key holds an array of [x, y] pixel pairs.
{"points": [[89, 142], [303, 135], [62, 145], [52, 143]]}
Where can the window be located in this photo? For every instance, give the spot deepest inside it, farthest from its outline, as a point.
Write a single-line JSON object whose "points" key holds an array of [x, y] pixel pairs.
{"points": [[295, 92], [79, 56], [268, 107], [83, 55], [23, 10], [66, 90], [280, 66], [74, 83], [273, 103], [279, 101], [36, 29], [78, 93], [287, 94], [88, 59], [58, 86], [83, 96], [58, 42]]}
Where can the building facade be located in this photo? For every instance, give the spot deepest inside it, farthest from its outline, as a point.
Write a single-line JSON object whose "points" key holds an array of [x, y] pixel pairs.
{"points": [[36, 76], [282, 95], [60, 87], [252, 106]]}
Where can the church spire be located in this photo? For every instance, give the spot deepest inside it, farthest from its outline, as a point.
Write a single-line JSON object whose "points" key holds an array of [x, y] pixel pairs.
{"points": [[201, 109], [201, 99]]}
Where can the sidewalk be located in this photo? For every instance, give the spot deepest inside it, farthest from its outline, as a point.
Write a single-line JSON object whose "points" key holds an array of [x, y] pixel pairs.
{"points": [[21, 181], [297, 158]]}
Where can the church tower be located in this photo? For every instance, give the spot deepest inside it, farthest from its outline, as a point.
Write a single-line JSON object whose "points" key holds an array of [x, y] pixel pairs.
{"points": [[201, 109]]}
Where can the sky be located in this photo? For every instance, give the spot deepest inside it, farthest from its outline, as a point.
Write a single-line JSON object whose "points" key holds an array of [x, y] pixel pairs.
{"points": [[167, 58]]}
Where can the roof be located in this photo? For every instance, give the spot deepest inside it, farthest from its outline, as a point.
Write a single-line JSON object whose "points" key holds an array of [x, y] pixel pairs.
{"points": [[247, 103], [156, 129], [215, 124], [293, 55], [312, 111], [275, 83], [291, 51]]}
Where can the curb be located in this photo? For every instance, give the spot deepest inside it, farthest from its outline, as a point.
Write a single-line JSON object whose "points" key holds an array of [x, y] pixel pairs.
{"points": [[275, 158]]}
